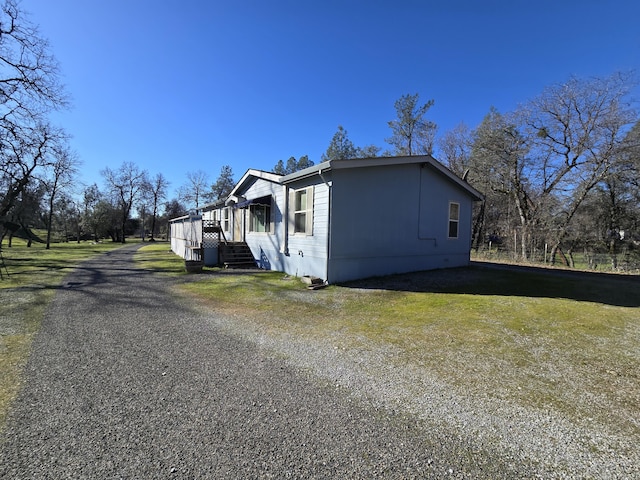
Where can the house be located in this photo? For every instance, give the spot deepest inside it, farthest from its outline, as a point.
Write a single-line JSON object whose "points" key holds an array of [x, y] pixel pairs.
{"points": [[343, 220]]}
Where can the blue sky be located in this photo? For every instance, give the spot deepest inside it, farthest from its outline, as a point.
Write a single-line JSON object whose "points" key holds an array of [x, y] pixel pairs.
{"points": [[179, 86]]}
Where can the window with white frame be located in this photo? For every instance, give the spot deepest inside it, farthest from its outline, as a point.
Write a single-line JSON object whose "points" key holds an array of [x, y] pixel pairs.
{"points": [[454, 219], [260, 218], [302, 208], [225, 220]]}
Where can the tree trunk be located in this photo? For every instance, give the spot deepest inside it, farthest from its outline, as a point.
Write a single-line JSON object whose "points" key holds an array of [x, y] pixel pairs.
{"points": [[478, 227], [49, 222], [153, 227], [552, 255], [613, 253], [572, 263], [555, 250]]}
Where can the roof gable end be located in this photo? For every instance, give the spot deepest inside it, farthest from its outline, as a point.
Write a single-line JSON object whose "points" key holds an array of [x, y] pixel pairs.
{"points": [[373, 162]]}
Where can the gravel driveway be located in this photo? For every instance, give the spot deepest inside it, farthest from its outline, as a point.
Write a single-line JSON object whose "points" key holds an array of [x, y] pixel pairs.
{"points": [[126, 381]]}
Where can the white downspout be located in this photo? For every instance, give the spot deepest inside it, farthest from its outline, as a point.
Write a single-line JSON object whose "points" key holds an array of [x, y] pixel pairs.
{"points": [[284, 249], [326, 276]]}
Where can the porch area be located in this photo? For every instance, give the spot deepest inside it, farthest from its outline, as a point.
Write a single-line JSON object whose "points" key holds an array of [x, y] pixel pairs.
{"points": [[203, 241]]}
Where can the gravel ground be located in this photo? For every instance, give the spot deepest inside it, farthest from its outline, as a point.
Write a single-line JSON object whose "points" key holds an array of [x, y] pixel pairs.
{"points": [[126, 381], [534, 442]]}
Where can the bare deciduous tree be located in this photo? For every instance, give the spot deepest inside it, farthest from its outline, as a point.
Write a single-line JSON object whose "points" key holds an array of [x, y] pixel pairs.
{"points": [[30, 88], [58, 178], [194, 191], [455, 147], [157, 193], [125, 185], [576, 130], [538, 166]]}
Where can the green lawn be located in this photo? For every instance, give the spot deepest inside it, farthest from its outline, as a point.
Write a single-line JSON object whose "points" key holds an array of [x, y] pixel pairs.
{"points": [[34, 273], [158, 256]]}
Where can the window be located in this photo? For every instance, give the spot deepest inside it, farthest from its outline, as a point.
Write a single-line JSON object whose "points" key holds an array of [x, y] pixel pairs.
{"points": [[300, 212], [225, 220], [260, 218], [454, 219], [301, 204]]}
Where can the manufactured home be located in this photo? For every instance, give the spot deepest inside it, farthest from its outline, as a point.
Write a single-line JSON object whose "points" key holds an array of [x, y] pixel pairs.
{"points": [[343, 220]]}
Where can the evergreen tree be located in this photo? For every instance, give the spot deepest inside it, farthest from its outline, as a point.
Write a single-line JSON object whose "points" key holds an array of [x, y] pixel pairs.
{"points": [[412, 133], [292, 165], [224, 184], [340, 148]]}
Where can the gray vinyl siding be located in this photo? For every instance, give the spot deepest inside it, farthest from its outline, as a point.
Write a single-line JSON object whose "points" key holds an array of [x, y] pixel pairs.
{"points": [[264, 246], [394, 219], [306, 254], [262, 188], [368, 220]]}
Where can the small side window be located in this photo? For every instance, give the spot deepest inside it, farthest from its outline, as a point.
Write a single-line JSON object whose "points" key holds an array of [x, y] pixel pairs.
{"points": [[454, 219], [225, 222], [300, 212]]}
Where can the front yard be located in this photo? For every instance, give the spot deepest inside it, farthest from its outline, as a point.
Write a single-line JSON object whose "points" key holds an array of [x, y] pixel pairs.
{"points": [[544, 362], [497, 353], [539, 340]]}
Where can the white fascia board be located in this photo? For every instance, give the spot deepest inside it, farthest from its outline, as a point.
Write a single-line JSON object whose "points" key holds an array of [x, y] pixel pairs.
{"points": [[251, 175], [307, 172], [177, 219]]}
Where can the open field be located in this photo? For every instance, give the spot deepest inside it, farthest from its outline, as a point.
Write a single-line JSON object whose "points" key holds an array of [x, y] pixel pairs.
{"points": [[34, 274]]}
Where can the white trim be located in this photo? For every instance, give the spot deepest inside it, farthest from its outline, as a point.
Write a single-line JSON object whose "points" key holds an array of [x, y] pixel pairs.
{"points": [[249, 174], [307, 211]]}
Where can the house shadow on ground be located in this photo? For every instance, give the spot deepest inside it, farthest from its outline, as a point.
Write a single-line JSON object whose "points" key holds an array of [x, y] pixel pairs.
{"points": [[482, 278]]}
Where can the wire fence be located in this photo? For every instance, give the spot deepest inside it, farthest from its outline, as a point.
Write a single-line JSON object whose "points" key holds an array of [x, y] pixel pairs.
{"points": [[626, 261]]}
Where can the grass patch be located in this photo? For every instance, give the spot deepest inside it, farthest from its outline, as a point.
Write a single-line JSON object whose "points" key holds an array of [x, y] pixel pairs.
{"points": [[37, 266], [157, 256], [566, 343], [34, 273]]}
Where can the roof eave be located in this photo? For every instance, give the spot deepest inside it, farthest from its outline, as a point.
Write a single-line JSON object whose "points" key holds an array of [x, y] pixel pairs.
{"points": [[251, 175]]}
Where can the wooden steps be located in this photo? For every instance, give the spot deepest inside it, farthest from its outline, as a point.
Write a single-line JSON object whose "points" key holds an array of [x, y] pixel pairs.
{"points": [[236, 255]]}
